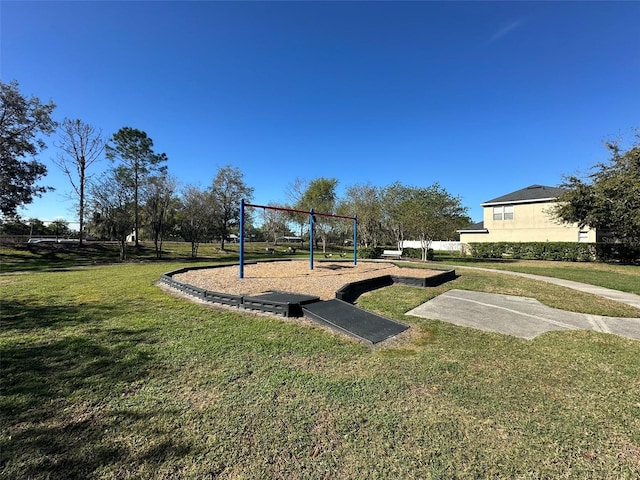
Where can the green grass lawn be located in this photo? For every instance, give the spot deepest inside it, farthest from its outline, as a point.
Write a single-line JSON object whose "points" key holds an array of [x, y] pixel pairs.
{"points": [[105, 375], [625, 278]]}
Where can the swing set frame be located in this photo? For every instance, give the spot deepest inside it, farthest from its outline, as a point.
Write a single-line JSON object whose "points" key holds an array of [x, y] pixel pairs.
{"points": [[312, 214]]}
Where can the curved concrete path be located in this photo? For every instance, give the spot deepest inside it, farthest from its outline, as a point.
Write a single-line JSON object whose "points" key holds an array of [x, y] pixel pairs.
{"points": [[623, 297], [526, 317]]}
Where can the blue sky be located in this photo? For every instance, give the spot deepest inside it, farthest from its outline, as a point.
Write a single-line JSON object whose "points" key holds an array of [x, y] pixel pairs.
{"points": [[482, 97]]}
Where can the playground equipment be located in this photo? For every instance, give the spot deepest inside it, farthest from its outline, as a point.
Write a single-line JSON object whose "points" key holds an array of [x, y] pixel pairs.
{"points": [[312, 214]]}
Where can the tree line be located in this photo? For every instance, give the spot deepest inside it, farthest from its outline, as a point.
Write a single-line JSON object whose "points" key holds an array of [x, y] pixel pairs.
{"points": [[135, 191], [136, 195]]}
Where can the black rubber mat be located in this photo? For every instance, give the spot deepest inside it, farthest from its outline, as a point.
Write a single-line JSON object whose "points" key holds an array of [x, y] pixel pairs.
{"points": [[354, 321], [286, 297], [281, 303]]}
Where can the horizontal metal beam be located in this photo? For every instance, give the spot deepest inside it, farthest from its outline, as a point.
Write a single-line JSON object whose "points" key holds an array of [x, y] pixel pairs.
{"points": [[293, 210]]}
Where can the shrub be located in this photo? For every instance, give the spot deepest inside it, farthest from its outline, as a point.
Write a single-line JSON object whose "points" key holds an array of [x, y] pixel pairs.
{"points": [[370, 252], [559, 251], [417, 253], [412, 253]]}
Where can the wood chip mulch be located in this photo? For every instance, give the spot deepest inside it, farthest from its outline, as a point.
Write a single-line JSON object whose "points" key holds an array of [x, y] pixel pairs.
{"points": [[294, 277]]}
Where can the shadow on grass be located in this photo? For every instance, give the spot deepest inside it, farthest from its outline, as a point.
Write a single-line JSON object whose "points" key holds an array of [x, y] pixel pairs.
{"points": [[80, 448], [64, 393], [46, 257], [24, 316], [38, 373]]}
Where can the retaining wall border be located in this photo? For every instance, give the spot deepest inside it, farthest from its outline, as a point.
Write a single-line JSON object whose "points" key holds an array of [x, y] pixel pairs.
{"points": [[348, 293]]}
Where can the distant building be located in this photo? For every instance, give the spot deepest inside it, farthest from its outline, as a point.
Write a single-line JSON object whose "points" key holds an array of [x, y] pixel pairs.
{"points": [[524, 216]]}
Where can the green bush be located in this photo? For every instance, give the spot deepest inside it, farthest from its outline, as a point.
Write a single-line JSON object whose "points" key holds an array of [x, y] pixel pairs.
{"points": [[417, 253], [412, 253], [558, 251], [370, 252]]}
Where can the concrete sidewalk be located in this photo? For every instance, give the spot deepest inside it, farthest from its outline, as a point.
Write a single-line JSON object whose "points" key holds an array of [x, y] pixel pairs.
{"points": [[518, 316], [623, 297], [526, 317]]}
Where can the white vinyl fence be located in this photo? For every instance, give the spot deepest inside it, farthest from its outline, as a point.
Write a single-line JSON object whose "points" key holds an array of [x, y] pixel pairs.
{"points": [[436, 245]]}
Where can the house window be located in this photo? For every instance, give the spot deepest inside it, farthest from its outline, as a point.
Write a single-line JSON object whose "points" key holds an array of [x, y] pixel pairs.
{"points": [[583, 236], [508, 212], [503, 212]]}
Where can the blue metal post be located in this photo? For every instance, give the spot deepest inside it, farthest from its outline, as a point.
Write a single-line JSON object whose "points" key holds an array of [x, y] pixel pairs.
{"points": [[242, 238], [311, 239], [355, 240]]}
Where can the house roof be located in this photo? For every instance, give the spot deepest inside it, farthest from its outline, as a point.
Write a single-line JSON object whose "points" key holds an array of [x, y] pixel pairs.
{"points": [[474, 228], [532, 193]]}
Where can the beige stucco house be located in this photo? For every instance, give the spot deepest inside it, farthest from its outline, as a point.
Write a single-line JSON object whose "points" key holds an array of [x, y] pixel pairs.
{"points": [[524, 216]]}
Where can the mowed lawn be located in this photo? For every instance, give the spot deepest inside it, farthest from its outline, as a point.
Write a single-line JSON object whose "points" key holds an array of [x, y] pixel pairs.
{"points": [[105, 375]]}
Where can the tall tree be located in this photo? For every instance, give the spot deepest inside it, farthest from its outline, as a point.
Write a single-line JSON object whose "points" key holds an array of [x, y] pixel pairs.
{"points": [[365, 202], [158, 197], [37, 227], [80, 146], [393, 198], [431, 213], [22, 120], [112, 205], [14, 226], [609, 198], [295, 191], [59, 228], [321, 196], [274, 223], [227, 189], [135, 150], [194, 217]]}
